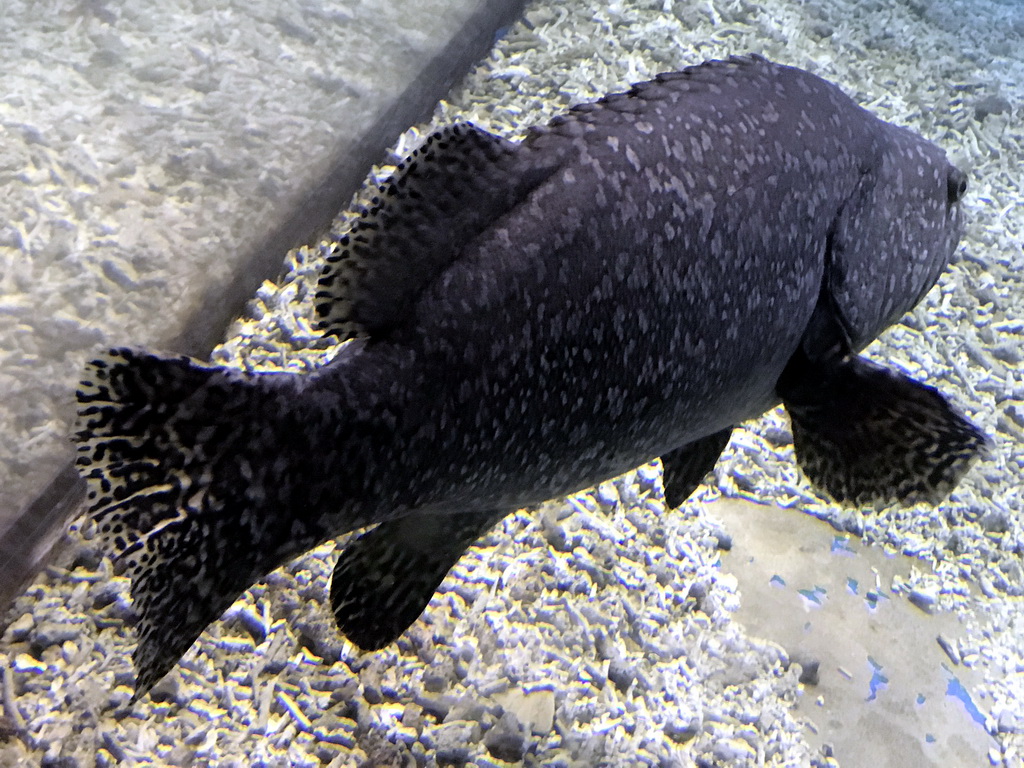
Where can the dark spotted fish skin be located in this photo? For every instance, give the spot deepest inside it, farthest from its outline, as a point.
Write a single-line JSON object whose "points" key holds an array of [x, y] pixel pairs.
{"points": [[652, 290], [631, 278]]}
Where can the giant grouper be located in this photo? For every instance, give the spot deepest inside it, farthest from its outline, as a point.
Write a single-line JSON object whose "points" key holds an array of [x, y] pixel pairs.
{"points": [[525, 320]]}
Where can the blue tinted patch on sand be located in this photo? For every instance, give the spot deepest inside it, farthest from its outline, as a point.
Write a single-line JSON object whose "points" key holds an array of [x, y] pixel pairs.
{"points": [[878, 681], [841, 546], [957, 691], [873, 598], [815, 596]]}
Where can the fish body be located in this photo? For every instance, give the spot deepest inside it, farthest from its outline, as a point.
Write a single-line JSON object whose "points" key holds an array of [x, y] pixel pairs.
{"points": [[525, 320]]}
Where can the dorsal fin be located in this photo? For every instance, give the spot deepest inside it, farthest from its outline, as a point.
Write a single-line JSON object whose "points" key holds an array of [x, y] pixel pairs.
{"points": [[696, 79], [450, 189], [443, 195]]}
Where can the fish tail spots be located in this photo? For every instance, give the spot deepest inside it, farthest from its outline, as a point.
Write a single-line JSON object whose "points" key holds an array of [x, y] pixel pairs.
{"points": [[179, 458], [142, 421]]}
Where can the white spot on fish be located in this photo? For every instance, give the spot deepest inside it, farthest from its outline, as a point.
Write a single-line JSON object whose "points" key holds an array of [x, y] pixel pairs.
{"points": [[634, 161]]}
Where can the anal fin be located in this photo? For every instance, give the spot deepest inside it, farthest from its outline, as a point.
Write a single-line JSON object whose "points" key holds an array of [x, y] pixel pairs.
{"points": [[867, 434], [385, 577], [685, 468]]}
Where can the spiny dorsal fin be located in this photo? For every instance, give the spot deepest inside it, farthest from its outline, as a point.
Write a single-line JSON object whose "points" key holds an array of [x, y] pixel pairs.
{"points": [[443, 195], [637, 99]]}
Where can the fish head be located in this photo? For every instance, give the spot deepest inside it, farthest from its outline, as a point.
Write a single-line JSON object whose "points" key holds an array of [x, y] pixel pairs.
{"points": [[895, 235]]}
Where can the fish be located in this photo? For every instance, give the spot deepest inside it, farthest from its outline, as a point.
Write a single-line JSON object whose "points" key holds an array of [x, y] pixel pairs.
{"points": [[524, 320]]}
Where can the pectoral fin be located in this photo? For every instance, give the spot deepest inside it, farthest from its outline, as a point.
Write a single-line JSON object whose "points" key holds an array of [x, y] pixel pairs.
{"points": [[866, 434], [385, 577]]}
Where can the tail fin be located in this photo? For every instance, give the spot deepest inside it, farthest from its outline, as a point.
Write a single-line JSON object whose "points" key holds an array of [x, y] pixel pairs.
{"points": [[176, 454]]}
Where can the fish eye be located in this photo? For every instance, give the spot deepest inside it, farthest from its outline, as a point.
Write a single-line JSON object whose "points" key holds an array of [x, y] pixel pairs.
{"points": [[956, 185]]}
